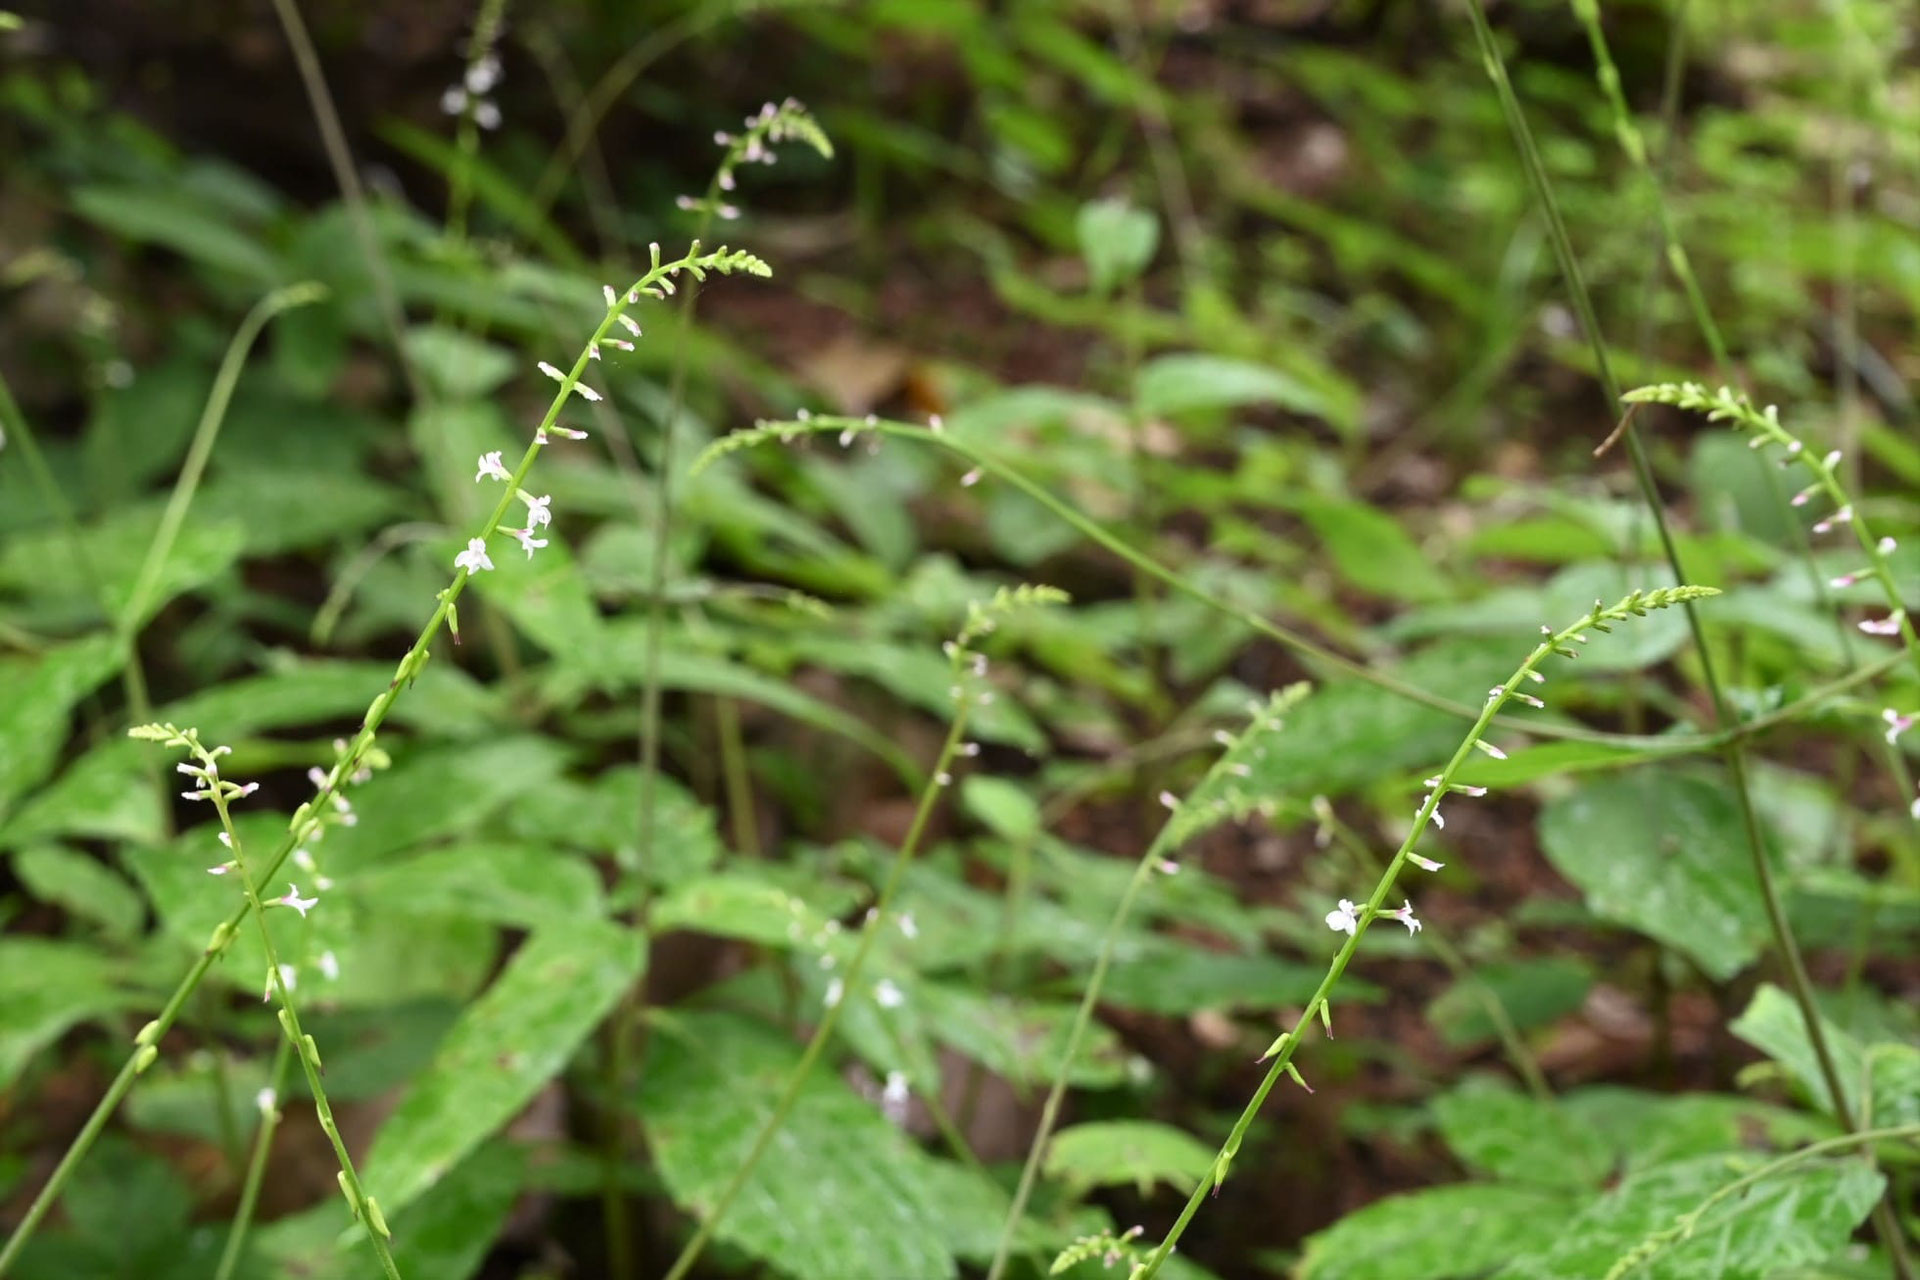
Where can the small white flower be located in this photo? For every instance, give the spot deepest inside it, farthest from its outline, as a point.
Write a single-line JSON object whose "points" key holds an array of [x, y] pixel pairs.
{"points": [[302, 858], [970, 479], [1897, 724], [220, 870], [1887, 546], [1405, 916], [1167, 867], [266, 1100], [907, 927], [1425, 864], [835, 990], [490, 466], [1843, 516], [1844, 581], [538, 513], [888, 995], [1887, 626], [474, 558], [454, 100], [486, 114], [526, 539], [483, 74], [1170, 800], [329, 966], [1343, 920], [293, 899], [632, 326]]}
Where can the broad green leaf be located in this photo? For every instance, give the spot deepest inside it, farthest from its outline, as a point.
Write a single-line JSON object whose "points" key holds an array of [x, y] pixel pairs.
{"points": [[1887, 1072], [442, 699], [459, 365], [1513, 1137], [1159, 976], [1117, 240], [1645, 1129], [1533, 992], [1370, 549], [508, 1043], [283, 510], [1183, 382], [47, 987], [922, 678], [603, 818], [114, 549], [81, 886], [1117, 1152], [837, 1194], [1445, 1233], [1023, 1040], [1799, 1216], [1662, 852], [518, 884], [108, 794], [40, 695], [126, 1214], [176, 219], [1350, 733], [447, 1234], [1520, 611], [737, 905], [1545, 759], [437, 793], [1002, 805]]}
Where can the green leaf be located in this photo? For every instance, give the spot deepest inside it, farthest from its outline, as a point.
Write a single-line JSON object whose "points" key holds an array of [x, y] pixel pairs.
{"points": [[1117, 1152], [603, 818], [1662, 852], [1517, 1138], [1370, 549], [40, 694], [1023, 1040], [126, 1216], [518, 884], [1534, 992], [82, 887], [737, 905], [1887, 1072], [1159, 976], [460, 365], [1003, 806], [442, 699], [438, 793], [175, 218], [1445, 1233], [1117, 240], [108, 794], [838, 1192], [1645, 1129], [1799, 1216], [282, 510], [1350, 733], [45, 988], [114, 549], [1184, 382], [512, 1040]]}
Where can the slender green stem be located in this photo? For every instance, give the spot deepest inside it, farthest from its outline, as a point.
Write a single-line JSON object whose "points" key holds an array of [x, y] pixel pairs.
{"points": [[1735, 755], [1525, 1065], [305, 819], [333, 139], [212, 416], [365, 1211], [626, 1017], [1689, 1222], [1179, 824], [1652, 745], [1561, 642], [257, 1166], [829, 1019]]}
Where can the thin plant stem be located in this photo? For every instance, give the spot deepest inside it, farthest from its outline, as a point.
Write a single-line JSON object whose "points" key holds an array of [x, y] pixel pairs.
{"points": [[981, 621], [257, 1166], [829, 1019], [212, 416], [333, 139], [305, 819], [1885, 1225], [1651, 746], [626, 1017], [1524, 1064], [595, 181], [1178, 826], [1559, 642]]}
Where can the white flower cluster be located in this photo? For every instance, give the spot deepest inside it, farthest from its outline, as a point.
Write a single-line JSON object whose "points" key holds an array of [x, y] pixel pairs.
{"points": [[479, 81]]}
